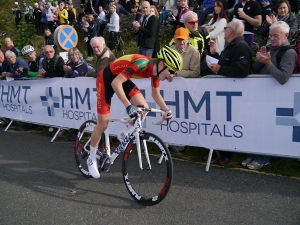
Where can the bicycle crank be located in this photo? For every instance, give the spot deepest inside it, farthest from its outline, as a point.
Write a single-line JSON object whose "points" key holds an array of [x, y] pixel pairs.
{"points": [[104, 163]]}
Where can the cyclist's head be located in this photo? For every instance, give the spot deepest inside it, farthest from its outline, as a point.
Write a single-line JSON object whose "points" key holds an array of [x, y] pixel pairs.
{"points": [[172, 59]]}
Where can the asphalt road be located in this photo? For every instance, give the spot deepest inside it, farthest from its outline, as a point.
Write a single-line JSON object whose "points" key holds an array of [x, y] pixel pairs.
{"points": [[40, 184]]}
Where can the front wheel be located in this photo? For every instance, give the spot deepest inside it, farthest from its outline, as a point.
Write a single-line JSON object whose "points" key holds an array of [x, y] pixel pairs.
{"points": [[150, 185]]}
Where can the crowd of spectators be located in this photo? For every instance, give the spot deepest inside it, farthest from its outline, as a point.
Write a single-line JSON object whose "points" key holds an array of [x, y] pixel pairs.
{"points": [[227, 36]]}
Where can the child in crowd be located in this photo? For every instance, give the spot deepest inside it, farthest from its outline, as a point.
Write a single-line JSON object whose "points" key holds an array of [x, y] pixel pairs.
{"points": [[84, 23], [55, 17]]}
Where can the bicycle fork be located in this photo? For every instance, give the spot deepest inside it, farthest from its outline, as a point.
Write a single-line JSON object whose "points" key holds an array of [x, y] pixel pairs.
{"points": [[144, 146]]}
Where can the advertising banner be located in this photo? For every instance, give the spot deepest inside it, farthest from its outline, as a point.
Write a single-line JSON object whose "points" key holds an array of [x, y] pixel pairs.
{"points": [[254, 114]]}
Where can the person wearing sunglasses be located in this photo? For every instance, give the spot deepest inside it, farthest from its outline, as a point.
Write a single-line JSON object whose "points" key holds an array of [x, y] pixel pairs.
{"points": [[198, 36], [52, 65], [116, 78]]}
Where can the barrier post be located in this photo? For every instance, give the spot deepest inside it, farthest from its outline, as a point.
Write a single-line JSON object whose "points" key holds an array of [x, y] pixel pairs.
{"points": [[8, 125]]}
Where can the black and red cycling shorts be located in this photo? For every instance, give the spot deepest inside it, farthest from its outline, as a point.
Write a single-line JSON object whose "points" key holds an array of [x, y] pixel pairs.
{"points": [[105, 90]]}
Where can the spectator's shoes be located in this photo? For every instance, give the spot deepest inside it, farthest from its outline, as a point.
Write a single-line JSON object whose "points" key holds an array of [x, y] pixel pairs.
{"points": [[256, 165], [93, 168], [246, 161]]}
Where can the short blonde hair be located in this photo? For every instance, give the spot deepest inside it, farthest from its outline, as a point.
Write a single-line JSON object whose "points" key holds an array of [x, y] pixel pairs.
{"points": [[73, 51]]}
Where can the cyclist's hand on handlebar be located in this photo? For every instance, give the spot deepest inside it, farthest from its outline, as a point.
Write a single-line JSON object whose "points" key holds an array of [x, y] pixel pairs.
{"points": [[167, 115], [131, 111]]}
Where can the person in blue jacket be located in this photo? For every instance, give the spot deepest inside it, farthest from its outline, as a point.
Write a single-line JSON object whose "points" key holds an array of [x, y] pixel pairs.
{"points": [[75, 66], [207, 8], [17, 67]]}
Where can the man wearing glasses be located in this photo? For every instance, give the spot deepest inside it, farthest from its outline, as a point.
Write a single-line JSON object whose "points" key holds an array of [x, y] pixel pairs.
{"points": [[52, 65], [235, 60]]}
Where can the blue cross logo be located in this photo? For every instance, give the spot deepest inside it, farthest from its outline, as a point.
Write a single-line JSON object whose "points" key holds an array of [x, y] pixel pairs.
{"points": [[50, 102], [290, 116]]}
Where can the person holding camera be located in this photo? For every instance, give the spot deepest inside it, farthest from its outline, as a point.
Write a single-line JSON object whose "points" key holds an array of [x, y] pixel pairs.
{"points": [[17, 66]]}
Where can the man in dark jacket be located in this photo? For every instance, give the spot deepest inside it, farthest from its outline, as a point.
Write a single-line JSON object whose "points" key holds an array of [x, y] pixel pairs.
{"points": [[146, 29], [53, 65], [37, 15], [235, 60], [49, 39]]}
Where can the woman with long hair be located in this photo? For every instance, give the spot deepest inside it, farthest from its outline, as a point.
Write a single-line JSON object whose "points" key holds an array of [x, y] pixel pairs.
{"points": [[217, 24], [154, 11]]}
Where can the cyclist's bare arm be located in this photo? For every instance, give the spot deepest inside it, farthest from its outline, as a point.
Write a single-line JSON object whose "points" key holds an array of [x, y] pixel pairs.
{"points": [[160, 101], [118, 88]]}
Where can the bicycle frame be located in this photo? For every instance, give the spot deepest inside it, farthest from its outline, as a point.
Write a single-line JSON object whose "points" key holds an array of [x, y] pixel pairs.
{"points": [[133, 132]]}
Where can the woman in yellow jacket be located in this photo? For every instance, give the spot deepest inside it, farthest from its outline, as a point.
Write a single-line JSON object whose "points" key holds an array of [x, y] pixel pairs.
{"points": [[63, 14]]}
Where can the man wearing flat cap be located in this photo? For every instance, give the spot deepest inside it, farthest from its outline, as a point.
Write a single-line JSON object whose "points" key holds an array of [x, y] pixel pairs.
{"points": [[190, 55]]}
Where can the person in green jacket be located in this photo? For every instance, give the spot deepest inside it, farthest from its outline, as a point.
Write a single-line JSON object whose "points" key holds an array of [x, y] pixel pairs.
{"points": [[34, 61]]}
